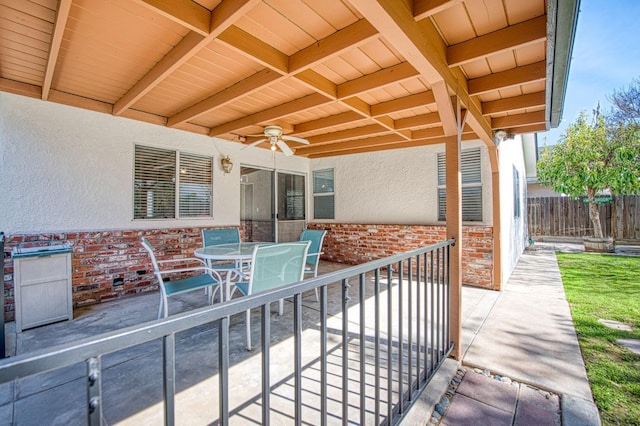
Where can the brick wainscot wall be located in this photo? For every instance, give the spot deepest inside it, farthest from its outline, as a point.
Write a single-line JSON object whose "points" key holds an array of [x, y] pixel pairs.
{"points": [[357, 243], [112, 264]]}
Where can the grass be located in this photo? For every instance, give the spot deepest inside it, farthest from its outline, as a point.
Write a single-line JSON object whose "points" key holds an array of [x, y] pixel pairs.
{"points": [[606, 287]]}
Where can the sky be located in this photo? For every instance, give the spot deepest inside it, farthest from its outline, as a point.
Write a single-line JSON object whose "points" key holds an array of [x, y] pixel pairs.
{"points": [[606, 57]]}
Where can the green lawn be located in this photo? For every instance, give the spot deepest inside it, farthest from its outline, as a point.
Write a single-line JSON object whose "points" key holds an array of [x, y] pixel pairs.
{"points": [[607, 287]]}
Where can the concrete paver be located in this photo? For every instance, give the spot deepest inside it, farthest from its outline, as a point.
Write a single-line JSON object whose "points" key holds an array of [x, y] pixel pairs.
{"points": [[489, 391], [467, 411], [537, 407]]}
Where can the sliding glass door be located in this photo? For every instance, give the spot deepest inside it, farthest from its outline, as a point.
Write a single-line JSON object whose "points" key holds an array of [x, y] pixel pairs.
{"points": [[272, 209]]}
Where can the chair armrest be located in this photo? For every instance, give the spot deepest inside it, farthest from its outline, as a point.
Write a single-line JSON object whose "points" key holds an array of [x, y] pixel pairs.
{"points": [[239, 273], [213, 272], [184, 259]]}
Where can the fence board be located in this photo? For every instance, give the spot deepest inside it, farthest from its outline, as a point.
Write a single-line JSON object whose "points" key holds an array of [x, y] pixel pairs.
{"points": [[565, 217]]}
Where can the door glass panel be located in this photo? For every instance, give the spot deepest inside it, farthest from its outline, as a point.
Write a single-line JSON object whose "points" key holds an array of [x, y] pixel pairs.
{"points": [[291, 206], [257, 204]]}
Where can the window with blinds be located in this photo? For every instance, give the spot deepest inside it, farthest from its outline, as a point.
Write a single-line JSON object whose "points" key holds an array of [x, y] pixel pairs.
{"points": [[323, 194], [171, 184], [471, 170]]}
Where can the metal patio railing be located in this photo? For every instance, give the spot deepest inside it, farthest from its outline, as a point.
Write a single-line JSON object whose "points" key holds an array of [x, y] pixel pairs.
{"points": [[365, 359]]}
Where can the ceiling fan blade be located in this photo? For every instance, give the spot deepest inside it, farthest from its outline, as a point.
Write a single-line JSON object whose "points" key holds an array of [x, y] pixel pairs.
{"points": [[284, 147], [259, 141], [295, 139]]}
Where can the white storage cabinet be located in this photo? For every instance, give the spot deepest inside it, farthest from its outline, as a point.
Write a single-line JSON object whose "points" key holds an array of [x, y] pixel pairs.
{"points": [[42, 285]]}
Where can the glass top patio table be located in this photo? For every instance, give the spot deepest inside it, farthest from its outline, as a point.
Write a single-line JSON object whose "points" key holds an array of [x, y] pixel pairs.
{"points": [[241, 253], [230, 251]]}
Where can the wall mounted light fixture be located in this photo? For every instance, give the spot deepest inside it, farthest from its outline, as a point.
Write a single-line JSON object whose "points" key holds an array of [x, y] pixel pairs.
{"points": [[227, 164]]}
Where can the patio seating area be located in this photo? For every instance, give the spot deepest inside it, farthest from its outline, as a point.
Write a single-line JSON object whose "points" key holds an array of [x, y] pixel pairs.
{"points": [[543, 354], [309, 374]]}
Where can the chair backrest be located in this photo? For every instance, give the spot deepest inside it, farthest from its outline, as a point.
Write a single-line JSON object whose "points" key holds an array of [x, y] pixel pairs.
{"points": [[212, 237], [156, 269], [316, 237], [277, 265]]}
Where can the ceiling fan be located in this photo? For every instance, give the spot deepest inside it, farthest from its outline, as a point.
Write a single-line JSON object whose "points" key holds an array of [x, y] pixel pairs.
{"points": [[274, 135]]}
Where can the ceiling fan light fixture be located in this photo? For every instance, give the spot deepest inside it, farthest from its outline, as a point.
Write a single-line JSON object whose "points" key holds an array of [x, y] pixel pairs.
{"points": [[273, 134]]}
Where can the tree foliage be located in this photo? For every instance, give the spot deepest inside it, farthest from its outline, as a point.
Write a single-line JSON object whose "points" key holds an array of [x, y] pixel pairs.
{"points": [[593, 156]]}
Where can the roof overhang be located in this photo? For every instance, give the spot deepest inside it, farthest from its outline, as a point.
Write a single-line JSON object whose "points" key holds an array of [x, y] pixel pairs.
{"points": [[350, 76]]}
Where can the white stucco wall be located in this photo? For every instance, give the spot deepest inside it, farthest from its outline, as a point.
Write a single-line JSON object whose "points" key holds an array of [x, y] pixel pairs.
{"points": [[394, 186], [514, 233], [64, 168]]}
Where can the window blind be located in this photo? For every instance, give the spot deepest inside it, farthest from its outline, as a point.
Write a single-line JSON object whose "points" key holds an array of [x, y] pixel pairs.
{"points": [[154, 186], [170, 184], [471, 177], [196, 178]]}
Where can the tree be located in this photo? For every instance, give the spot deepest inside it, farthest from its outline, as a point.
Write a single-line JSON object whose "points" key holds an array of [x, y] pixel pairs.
{"points": [[593, 157], [626, 103]]}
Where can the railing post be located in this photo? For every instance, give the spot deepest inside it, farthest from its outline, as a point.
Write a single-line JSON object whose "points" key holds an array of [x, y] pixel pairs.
{"points": [[94, 391], [454, 231]]}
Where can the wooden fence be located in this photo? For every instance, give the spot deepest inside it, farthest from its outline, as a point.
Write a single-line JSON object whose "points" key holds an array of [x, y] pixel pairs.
{"points": [[565, 217]]}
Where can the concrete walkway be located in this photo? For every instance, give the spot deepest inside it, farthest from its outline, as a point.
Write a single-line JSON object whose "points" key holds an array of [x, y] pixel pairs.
{"points": [[524, 337]]}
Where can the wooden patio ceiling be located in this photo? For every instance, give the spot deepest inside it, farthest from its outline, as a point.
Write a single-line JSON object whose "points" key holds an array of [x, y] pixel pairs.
{"points": [[349, 75]]}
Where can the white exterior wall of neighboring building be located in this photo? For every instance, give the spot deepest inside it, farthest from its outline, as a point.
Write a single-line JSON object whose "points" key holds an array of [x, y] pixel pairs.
{"points": [[65, 168], [394, 186], [514, 227]]}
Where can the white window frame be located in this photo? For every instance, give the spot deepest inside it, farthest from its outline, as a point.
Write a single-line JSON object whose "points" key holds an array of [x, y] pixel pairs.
{"points": [[318, 195], [179, 164], [472, 187]]}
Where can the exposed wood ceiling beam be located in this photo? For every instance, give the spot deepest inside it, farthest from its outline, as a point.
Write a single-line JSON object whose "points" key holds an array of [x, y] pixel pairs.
{"points": [[513, 77], [242, 88], [255, 49], [407, 144], [17, 88], [515, 103], [418, 121], [518, 120], [62, 13], [377, 80], [347, 38], [224, 15], [187, 13], [424, 8], [403, 104], [342, 135], [382, 144], [421, 45], [271, 114], [541, 127], [428, 133], [316, 82], [509, 38], [346, 93], [328, 122], [356, 143]]}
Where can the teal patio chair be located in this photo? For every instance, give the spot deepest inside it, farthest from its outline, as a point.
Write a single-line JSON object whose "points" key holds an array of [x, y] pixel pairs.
{"points": [[272, 266], [213, 237], [316, 238], [208, 279]]}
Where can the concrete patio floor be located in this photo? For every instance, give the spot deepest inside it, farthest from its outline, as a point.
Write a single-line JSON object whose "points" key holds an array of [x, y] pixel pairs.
{"points": [[524, 332]]}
